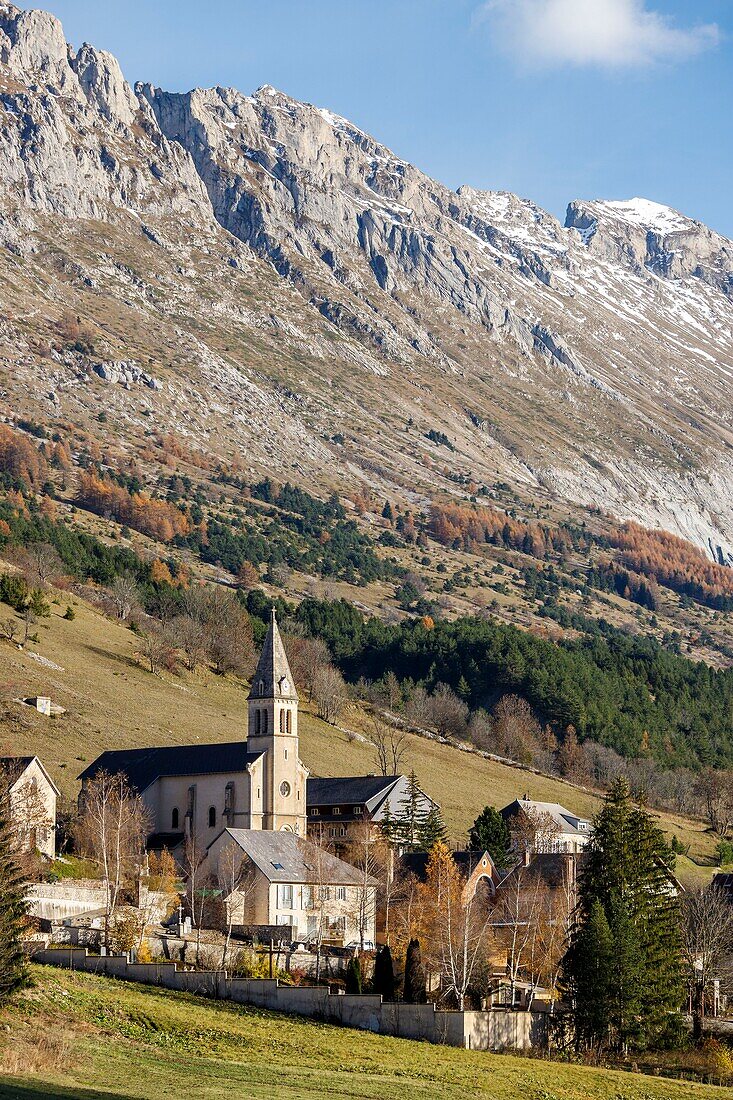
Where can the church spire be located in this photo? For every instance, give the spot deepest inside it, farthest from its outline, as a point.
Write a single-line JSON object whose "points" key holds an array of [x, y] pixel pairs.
{"points": [[273, 678]]}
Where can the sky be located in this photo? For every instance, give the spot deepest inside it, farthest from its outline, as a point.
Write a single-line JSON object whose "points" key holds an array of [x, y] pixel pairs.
{"points": [[552, 99]]}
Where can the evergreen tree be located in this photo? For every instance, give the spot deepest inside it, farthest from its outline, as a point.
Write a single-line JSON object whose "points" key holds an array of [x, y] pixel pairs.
{"points": [[411, 818], [490, 833], [414, 991], [384, 982], [590, 959], [431, 831], [627, 875], [353, 975], [13, 974]]}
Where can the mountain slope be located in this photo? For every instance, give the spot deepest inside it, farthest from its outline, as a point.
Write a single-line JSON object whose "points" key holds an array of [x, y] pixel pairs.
{"points": [[295, 295]]}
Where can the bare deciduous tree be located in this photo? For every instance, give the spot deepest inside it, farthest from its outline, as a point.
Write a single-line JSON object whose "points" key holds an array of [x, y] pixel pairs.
{"points": [[236, 878], [123, 596], [707, 927], [40, 564], [390, 746], [330, 693], [111, 830]]}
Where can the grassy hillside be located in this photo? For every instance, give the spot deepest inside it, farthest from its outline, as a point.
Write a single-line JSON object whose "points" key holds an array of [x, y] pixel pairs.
{"points": [[86, 1037], [113, 702]]}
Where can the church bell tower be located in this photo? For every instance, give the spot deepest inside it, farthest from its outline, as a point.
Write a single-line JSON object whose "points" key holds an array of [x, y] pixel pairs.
{"points": [[273, 730]]}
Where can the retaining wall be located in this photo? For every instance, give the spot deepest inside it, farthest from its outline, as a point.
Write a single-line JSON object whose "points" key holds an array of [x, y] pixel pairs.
{"points": [[496, 1030]]}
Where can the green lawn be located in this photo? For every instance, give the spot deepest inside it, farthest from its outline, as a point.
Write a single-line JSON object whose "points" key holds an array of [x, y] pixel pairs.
{"points": [[76, 1035]]}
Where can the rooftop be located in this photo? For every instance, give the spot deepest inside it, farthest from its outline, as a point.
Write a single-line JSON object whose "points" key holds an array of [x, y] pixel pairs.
{"points": [[285, 857], [143, 766]]}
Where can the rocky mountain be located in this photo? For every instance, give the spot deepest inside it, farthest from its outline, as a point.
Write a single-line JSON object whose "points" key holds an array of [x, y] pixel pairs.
{"points": [[282, 288]]}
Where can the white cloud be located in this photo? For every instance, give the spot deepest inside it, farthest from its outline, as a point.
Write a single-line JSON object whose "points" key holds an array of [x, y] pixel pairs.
{"points": [[612, 33]]}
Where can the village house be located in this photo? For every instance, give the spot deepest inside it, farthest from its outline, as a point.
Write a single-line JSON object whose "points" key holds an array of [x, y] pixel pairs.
{"points": [[546, 827], [279, 878], [32, 796], [338, 807]]}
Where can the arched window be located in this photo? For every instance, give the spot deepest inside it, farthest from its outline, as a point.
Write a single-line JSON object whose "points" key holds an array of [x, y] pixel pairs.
{"points": [[174, 818], [289, 722], [258, 721], [212, 816], [282, 721], [264, 721]]}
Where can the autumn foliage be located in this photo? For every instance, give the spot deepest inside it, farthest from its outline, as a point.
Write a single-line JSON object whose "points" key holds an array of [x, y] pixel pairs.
{"points": [[676, 564], [21, 459], [466, 528], [155, 518]]}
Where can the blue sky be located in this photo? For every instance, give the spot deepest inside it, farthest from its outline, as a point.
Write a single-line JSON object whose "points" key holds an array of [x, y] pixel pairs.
{"points": [[552, 99]]}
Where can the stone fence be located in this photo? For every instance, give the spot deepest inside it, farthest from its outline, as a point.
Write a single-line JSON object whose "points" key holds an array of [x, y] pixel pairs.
{"points": [[495, 1030]]}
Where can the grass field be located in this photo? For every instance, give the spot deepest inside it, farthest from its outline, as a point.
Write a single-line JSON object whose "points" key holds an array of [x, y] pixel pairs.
{"points": [[85, 1037], [112, 702]]}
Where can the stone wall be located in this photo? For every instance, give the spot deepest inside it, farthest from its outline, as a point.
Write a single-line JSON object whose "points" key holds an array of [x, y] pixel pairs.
{"points": [[496, 1030]]}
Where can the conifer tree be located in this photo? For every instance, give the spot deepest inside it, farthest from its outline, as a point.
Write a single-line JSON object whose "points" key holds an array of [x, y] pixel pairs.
{"points": [[590, 958], [13, 974], [353, 975], [490, 833], [627, 875], [411, 818], [384, 982], [431, 830], [414, 991]]}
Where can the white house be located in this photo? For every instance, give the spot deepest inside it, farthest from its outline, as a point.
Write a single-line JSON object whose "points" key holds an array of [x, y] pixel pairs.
{"points": [[279, 878], [550, 828], [32, 796], [257, 784]]}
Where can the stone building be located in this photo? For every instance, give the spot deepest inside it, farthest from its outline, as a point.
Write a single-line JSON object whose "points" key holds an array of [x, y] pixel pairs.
{"points": [[198, 790]]}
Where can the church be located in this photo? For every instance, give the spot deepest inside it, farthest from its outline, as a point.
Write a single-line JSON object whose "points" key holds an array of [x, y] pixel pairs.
{"points": [[200, 790]]}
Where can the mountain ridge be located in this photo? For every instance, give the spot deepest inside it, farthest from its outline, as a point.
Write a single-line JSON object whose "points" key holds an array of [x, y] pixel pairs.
{"points": [[589, 362]]}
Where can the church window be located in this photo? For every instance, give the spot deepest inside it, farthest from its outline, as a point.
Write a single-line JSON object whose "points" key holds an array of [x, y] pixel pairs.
{"points": [[285, 788], [289, 723], [229, 802], [282, 721], [258, 721], [264, 721], [174, 818], [286, 754], [212, 816]]}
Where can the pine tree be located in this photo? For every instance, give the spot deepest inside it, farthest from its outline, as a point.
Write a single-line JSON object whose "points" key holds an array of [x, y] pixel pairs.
{"points": [[411, 818], [384, 982], [431, 830], [13, 974], [490, 833], [353, 975], [414, 991], [626, 874], [590, 959]]}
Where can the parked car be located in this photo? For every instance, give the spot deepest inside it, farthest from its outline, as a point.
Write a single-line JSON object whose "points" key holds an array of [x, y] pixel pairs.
{"points": [[357, 945]]}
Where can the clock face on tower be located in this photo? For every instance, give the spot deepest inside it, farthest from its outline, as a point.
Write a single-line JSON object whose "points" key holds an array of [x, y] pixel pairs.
{"points": [[285, 686]]}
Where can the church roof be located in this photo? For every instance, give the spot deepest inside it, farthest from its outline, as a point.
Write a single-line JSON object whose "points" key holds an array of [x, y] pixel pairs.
{"points": [[284, 857], [143, 766], [273, 678]]}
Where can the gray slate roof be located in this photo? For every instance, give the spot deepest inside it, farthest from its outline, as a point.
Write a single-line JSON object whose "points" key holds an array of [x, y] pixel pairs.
{"points": [[357, 790], [273, 678], [285, 857], [143, 766], [567, 822]]}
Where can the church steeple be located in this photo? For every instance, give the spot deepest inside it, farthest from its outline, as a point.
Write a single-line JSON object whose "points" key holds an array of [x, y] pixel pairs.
{"points": [[273, 731], [273, 678]]}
